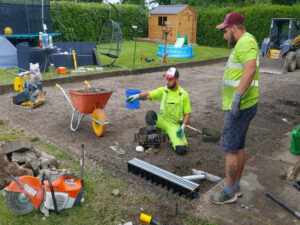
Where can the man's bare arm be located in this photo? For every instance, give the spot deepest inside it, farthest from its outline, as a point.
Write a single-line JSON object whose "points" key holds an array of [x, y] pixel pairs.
{"points": [[144, 96], [186, 118], [247, 76]]}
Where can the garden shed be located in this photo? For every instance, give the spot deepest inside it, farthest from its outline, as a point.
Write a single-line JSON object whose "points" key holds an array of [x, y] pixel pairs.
{"points": [[182, 17]]}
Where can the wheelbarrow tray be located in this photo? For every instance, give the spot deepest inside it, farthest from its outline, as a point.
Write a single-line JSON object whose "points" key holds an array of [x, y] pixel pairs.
{"points": [[85, 100]]}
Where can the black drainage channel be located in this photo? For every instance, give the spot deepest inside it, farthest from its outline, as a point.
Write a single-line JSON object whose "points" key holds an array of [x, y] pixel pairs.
{"points": [[71, 79]]}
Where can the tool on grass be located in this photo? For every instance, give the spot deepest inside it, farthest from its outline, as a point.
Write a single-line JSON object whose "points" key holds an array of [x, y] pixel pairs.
{"points": [[208, 134], [282, 204], [166, 179], [148, 219], [61, 192], [74, 58]]}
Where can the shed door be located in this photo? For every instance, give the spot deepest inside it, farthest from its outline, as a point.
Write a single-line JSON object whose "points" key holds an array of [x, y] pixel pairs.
{"points": [[187, 26]]}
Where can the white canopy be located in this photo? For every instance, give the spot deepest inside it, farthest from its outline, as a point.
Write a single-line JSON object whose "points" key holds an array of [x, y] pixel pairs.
{"points": [[8, 54]]}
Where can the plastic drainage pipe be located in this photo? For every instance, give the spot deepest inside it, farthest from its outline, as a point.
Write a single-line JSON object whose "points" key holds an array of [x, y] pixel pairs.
{"points": [[195, 177], [282, 204]]}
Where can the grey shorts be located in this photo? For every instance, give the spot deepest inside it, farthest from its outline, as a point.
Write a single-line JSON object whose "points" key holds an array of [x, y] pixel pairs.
{"points": [[235, 129]]}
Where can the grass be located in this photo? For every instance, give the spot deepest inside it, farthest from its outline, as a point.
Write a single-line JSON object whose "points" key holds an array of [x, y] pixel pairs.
{"points": [[99, 207], [125, 60]]}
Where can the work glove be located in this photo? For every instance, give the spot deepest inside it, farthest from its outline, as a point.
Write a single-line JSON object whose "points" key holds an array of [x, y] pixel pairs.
{"points": [[236, 103], [131, 98], [180, 131]]}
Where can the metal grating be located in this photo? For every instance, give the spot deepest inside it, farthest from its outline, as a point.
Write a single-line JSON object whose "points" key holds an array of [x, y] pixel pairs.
{"points": [[162, 177]]}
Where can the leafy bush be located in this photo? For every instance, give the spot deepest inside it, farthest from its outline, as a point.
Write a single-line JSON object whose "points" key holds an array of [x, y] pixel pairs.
{"points": [[257, 22], [84, 21]]}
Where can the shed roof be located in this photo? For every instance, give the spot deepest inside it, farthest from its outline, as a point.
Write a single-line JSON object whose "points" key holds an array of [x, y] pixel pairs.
{"points": [[168, 9]]}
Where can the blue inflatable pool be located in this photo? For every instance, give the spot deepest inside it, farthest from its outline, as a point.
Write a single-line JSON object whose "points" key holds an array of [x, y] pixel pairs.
{"points": [[183, 52]]}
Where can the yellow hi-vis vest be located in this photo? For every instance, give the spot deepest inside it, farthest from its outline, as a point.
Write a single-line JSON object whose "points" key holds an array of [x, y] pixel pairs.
{"points": [[175, 109], [234, 70]]}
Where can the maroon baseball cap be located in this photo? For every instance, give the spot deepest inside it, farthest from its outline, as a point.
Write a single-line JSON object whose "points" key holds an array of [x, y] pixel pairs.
{"points": [[233, 18]]}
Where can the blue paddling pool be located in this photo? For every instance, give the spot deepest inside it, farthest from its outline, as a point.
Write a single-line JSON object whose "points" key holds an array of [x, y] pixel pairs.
{"points": [[172, 52]]}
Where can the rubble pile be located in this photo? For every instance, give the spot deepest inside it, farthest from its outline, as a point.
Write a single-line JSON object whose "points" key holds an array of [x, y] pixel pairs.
{"points": [[20, 157]]}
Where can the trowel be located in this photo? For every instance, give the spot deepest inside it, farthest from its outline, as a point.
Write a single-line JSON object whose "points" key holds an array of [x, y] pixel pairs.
{"points": [[208, 134], [116, 148]]}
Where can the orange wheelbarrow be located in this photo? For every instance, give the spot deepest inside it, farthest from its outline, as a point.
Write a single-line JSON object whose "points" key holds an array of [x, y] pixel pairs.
{"points": [[88, 101]]}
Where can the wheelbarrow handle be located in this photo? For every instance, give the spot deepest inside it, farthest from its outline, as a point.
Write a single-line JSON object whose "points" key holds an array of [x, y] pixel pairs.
{"points": [[65, 94]]}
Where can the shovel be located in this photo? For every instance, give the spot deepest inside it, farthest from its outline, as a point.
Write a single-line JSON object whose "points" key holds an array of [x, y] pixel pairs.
{"points": [[208, 134]]}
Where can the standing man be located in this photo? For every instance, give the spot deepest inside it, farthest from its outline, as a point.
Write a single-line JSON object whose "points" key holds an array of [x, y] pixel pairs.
{"points": [[174, 112], [240, 98]]}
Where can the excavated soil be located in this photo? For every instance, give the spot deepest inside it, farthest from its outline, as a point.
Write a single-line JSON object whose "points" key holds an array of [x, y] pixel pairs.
{"points": [[279, 98]]}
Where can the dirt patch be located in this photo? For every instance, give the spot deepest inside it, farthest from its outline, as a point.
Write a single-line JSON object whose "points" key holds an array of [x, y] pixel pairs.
{"points": [[51, 121]]}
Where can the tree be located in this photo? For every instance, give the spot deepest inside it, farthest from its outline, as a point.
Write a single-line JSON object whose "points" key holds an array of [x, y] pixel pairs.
{"points": [[283, 2]]}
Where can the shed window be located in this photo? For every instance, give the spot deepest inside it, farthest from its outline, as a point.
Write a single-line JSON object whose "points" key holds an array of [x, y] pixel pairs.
{"points": [[162, 20]]}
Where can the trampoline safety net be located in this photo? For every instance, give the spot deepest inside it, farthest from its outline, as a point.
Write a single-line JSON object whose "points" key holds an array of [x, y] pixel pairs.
{"points": [[25, 16]]}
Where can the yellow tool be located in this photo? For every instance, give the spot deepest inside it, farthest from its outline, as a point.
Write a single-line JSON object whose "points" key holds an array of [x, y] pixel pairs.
{"points": [[74, 58], [148, 219]]}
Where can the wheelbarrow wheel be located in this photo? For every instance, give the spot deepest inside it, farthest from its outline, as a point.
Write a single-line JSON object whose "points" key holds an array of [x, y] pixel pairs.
{"points": [[99, 129]]}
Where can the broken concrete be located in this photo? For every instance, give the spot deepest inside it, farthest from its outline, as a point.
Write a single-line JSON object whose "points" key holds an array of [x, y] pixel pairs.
{"points": [[48, 161], [22, 144], [21, 159]]}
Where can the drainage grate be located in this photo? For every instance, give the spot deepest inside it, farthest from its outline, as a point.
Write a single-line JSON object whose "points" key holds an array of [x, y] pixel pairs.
{"points": [[164, 178]]}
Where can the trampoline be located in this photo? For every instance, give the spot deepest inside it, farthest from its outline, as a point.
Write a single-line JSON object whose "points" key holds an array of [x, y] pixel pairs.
{"points": [[26, 18], [183, 52]]}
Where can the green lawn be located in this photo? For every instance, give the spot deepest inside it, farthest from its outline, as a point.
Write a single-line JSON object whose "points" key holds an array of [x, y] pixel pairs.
{"points": [[99, 207], [125, 61]]}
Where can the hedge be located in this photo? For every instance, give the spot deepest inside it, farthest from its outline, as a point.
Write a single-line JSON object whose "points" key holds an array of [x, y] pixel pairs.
{"points": [[257, 22], [84, 21]]}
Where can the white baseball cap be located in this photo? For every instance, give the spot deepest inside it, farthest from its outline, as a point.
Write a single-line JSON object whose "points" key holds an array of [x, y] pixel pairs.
{"points": [[171, 73]]}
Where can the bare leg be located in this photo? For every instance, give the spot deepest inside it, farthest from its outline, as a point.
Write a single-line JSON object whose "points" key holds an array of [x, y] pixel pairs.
{"points": [[241, 163], [231, 168]]}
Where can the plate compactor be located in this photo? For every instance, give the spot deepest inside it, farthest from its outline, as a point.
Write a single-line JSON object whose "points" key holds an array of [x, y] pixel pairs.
{"points": [[29, 87], [62, 192], [280, 52]]}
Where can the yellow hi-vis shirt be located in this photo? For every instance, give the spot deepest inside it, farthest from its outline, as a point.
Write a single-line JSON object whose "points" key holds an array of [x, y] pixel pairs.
{"points": [[245, 49], [173, 104]]}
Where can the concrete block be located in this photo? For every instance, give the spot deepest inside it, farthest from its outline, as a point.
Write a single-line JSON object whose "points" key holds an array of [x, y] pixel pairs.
{"points": [[21, 144]]}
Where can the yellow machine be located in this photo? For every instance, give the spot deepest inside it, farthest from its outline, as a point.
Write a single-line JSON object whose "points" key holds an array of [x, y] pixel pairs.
{"points": [[280, 52], [29, 83]]}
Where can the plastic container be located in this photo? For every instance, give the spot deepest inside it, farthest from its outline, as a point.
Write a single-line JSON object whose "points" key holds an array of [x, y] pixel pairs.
{"points": [[50, 42], [44, 40], [61, 70], [136, 103], [40, 39], [295, 141]]}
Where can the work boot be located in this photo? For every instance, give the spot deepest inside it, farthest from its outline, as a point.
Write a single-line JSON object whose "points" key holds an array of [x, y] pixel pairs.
{"points": [[221, 197], [181, 149], [152, 136]]}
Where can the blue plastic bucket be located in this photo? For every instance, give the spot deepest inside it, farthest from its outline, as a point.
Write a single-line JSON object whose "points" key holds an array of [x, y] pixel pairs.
{"points": [[136, 103]]}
